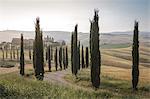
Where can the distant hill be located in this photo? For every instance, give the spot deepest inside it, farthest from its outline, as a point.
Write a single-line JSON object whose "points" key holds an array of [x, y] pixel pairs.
{"points": [[105, 38]]}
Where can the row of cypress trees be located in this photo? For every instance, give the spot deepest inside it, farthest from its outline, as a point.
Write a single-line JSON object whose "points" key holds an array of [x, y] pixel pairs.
{"points": [[95, 60], [61, 58], [95, 56]]}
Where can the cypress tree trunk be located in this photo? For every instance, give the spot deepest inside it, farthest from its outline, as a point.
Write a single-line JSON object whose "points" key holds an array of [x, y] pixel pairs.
{"points": [[72, 54], [60, 58], [135, 57], [83, 65], [21, 57], [95, 53], [56, 63], [38, 52], [75, 65], [87, 57], [49, 58], [78, 55], [66, 57]]}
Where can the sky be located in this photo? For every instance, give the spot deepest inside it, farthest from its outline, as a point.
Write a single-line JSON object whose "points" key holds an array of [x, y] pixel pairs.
{"points": [[62, 15]]}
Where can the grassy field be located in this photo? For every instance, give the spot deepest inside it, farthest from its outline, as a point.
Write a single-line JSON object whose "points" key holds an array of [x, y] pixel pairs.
{"points": [[115, 78]]}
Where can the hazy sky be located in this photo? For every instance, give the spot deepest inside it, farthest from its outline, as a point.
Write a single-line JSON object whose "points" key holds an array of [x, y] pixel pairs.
{"points": [[62, 15]]}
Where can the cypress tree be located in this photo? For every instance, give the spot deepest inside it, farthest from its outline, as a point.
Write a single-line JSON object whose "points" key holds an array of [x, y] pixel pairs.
{"points": [[56, 63], [72, 53], [10, 53], [83, 64], [6, 52], [78, 59], [60, 57], [75, 65], [46, 53], [95, 52], [49, 58], [87, 57], [21, 57], [51, 52], [3, 53], [38, 52], [17, 54], [66, 57], [14, 54], [135, 57], [30, 53]]}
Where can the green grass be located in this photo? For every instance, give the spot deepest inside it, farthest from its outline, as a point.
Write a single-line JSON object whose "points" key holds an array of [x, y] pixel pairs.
{"points": [[112, 87], [14, 86]]}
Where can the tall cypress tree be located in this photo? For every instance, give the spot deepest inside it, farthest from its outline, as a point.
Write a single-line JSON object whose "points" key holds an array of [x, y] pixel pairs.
{"points": [[56, 63], [66, 57], [87, 57], [3, 53], [95, 52], [49, 58], [30, 53], [38, 52], [21, 57], [135, 57], [78, 59], [14, 54], [75, 65], [83, 64], [6, 52], [11, 53], [72, 53], [60, 57], [17, 54], [46, 53], [51, 52]]}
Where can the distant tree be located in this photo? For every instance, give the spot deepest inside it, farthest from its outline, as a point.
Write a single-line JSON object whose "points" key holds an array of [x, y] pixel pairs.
{"points": [[135, 57], [56, 62], [51, 52], [3, 53], [66, 57], [30, 53], [49, 58], [87, 57], [78, 54], [72, 53], [38, 52], [14, 54], [75, 65], [95, 52], [6, 52], [11, 53], [46, 53], [21, 57], [83, 64], [60, 57], [17, 54]]}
